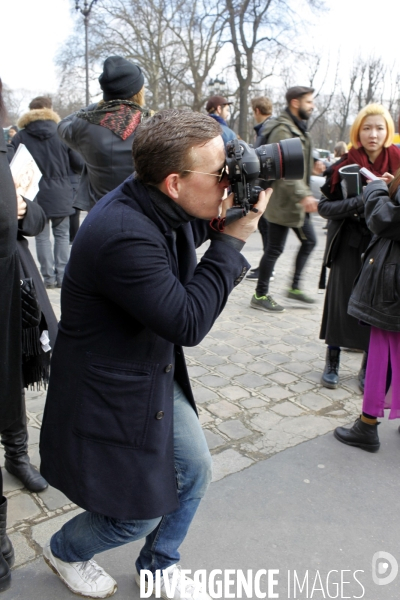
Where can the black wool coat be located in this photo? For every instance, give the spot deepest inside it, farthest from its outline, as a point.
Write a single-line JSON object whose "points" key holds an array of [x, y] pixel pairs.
{"points": [[348, 237], [376, 295], [132, 296], [10, 299], [54, 159]]}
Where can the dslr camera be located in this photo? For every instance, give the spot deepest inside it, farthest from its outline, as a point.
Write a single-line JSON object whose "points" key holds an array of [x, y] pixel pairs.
{"points": [[252, 170]]}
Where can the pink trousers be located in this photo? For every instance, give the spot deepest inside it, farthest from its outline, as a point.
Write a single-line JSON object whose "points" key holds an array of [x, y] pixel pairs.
{"points": [[384, 350]]}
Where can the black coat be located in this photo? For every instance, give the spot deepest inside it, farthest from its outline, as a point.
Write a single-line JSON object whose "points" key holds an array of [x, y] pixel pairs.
{"points": [[376, 295], [107, 157], [341, 213], [10, 299], [348, 237], [132, 296], [31, 225], [54, 159]]}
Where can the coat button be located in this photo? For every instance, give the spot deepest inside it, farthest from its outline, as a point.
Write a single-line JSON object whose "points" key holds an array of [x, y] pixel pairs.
{"points": [[371, 260], [168, 368], [159, 415]]}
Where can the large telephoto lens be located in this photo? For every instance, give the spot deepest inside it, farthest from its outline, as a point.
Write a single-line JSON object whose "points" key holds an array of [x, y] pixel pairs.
{"points": [[282, 160]]}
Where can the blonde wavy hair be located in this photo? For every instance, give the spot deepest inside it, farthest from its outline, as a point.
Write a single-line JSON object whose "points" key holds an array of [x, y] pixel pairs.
{"points": [[138, 98], [368, 111]]}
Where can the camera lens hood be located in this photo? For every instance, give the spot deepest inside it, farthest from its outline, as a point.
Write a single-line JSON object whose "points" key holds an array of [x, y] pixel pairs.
{"points": [[292, 158]]}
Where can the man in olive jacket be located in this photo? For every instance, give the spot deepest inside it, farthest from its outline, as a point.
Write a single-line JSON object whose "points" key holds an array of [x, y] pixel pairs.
{"points": [[120, 433], [291, 203]]}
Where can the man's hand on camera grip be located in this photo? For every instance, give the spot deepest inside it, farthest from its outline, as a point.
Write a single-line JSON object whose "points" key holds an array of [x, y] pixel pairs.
{"points": [[243, 228]]}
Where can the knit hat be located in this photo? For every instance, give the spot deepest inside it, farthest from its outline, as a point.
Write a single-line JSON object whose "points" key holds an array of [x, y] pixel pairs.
{"points": [[120, 78]]}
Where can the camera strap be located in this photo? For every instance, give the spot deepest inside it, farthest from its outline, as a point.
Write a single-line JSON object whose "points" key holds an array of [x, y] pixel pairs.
{"points": [[218, 224]]}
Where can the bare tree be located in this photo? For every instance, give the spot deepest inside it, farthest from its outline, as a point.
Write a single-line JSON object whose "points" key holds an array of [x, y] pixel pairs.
{"points": [[256, 25], [344, 104], [369, 81], [16, 102], [176, 43]]}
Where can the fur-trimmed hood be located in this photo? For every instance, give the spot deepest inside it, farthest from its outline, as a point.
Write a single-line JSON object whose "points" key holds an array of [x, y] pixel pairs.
{"points": [[40, 122], [38, 114]]}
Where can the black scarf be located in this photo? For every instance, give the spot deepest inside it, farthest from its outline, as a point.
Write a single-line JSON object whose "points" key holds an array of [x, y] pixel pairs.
{"points": [[302, 125], [169, 210]]}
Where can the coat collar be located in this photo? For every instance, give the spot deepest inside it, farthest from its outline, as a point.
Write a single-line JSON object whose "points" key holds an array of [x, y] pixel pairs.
{"points": [[39, 114]]}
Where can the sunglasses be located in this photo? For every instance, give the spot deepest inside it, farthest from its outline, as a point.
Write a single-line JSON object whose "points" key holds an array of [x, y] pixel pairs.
{"points": [[221, 174]]}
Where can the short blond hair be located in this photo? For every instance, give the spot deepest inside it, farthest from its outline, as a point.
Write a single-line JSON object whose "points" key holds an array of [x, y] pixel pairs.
{"points": [[368, 111]]}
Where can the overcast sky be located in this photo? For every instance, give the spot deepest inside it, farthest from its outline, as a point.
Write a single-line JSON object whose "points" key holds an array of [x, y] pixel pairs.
{"points": [[32, 30]]}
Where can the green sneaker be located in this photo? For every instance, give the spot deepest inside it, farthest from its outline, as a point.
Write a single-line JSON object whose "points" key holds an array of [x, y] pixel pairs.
{"points": [[299, 295], [266, 303]]}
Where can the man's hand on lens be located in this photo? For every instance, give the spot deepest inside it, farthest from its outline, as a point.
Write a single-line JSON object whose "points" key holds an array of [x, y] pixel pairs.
{"points": [[310, 204], [244, 227]]}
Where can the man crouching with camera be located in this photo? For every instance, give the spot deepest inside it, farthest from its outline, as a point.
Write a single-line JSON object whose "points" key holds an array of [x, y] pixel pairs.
{"points": [[120, 434]]}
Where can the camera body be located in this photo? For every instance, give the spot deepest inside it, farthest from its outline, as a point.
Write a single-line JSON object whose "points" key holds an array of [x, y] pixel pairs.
{"points": [[252, 170]]}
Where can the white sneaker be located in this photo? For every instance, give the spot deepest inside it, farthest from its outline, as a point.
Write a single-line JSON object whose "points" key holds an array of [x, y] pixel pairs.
{"points": [[175, 577], [83, 578]]}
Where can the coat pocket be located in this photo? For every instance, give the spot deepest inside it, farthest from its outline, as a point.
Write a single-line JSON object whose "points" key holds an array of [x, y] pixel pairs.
{"points": [[114, 401], [389, 283]]}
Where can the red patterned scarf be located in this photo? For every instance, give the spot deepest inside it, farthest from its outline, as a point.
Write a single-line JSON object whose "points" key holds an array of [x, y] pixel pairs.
{"points": [[120, 116], [387, 162]]}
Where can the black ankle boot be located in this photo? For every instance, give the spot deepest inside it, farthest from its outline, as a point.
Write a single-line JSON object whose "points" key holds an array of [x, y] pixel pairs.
{"points": [[5, 573], [21, 468], [17, 463], [362, 435], [362, 371], [330, 376]]}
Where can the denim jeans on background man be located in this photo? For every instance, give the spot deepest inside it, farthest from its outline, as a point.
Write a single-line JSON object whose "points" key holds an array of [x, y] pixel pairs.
{"points": [[88, 533], [52, 264]]}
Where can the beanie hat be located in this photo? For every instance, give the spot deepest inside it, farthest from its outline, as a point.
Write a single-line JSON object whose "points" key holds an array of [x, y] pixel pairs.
{"points": [[120, 78]]}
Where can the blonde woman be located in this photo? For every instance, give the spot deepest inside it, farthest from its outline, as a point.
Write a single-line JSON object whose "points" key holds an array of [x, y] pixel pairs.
{"points": [[348, 236]]}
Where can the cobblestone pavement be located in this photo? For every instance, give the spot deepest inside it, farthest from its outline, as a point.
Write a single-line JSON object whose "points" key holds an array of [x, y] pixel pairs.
{"points": [[256, 381]]}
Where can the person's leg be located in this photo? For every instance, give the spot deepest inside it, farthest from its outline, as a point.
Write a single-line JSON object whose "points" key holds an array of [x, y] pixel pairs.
{"points": [[277, 235], [45, 256], [6, 549], [193, 472], [69, 552], [15, 442], [74, 224], [89, 533], [364, 432], [263, 229], [308, 240], [61, 246], [330, 376]]}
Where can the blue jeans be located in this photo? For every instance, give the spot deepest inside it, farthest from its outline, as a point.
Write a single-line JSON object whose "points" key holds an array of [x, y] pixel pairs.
{"points": [[90, 533], [52, 265]]}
